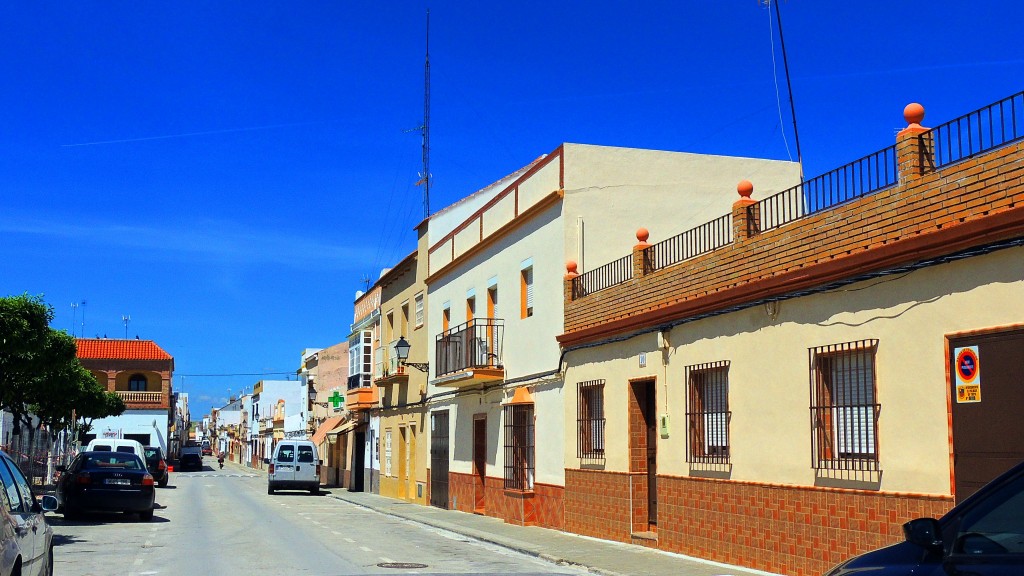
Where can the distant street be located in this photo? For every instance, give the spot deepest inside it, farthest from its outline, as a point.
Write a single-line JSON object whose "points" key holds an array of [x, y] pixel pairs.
{"points": [[223, 522]]}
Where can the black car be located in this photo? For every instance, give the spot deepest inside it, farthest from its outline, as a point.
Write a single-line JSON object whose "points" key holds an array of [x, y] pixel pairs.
{"points": [[157, 465], [106, 481], [981, 536]]}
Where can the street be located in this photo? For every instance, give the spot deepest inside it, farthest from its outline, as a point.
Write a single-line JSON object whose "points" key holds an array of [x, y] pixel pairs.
{"points": [[224, 522]]}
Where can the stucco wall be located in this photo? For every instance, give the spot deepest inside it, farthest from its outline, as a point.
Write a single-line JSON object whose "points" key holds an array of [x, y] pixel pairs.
{"points": [[909, 314]]}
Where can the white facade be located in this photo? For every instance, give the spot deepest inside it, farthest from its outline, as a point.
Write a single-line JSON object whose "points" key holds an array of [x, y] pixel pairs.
{"points": [[135, 424]]}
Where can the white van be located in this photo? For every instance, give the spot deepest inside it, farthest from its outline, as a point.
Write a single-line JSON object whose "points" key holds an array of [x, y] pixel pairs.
{"points": [[295, 466], [117, 445]]}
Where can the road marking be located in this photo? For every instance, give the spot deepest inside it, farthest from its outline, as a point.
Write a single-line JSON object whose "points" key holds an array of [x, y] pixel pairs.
{"points": [[335, 532], [388, 560], [350, 541], [363, 548]]}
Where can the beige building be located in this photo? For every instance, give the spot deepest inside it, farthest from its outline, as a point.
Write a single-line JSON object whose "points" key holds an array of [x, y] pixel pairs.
{"points": [[495, 306], [846, 360]]}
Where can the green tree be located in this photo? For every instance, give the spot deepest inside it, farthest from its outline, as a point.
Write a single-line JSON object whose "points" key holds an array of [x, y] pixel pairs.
{"points": [[24, 335]]}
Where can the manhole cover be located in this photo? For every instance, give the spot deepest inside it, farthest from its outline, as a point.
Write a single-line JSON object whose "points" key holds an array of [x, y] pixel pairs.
{"points": [[401, 565]]}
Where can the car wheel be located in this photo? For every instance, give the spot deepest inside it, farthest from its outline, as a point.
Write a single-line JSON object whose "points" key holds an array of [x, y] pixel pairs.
{"points": [[270, 490], [48, 571], [163, 482], [314, 491], [71, 513], [146, 515]]}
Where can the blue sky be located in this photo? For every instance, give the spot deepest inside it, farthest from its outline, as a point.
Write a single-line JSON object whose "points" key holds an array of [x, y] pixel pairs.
{"points": [[226, 173]]}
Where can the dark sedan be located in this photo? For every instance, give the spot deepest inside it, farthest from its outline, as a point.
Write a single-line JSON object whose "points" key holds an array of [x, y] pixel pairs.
{"points": [[981, 536], [157, 465], [108, 482]]}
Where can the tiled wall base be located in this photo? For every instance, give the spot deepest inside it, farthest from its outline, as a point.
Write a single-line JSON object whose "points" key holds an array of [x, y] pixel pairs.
{"points": [[801, 531], [541, 507]]}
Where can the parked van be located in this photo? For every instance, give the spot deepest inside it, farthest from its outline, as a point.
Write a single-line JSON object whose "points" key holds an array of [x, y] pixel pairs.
{"points": [[117, 445], [295, 466]]}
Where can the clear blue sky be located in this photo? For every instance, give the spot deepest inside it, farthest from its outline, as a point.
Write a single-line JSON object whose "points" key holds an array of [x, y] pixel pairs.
{"points": [[227, 172]]}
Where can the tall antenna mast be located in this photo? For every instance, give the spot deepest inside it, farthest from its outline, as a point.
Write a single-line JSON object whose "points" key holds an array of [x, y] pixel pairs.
{"points": [[426, 126], [789, 87], [126, 320]]}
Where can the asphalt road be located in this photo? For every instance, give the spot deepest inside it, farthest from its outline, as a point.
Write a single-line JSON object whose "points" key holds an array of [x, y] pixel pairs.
{"points": [[223, 522]]}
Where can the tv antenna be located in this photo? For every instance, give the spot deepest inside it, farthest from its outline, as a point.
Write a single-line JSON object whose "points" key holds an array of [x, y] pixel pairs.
{"points": [[424, 130], [366, 283], [126, 320], [83, 319]]}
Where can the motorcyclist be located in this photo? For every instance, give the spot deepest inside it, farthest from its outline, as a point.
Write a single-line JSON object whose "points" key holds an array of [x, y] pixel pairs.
{"points": [[220, 460]]}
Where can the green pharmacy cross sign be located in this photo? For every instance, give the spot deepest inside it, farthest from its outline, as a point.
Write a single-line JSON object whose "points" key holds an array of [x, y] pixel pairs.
{"points": [[336, 399]]}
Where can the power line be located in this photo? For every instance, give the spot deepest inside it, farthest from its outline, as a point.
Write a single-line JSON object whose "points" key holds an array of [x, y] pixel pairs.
{"points": [[237, 374]]}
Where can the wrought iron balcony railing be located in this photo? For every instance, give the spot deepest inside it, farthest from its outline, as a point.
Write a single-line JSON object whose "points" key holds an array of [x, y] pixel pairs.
{"points": [[475, 344]]}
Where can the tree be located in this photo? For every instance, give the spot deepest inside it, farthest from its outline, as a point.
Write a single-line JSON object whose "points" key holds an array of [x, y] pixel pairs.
{"points": [[24, 332]]}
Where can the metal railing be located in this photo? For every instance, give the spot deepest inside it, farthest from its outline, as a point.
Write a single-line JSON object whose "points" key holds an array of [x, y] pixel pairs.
{"points": [[474, 344], [694, 242], [979, 131], [606, 276], [386, 362], [859, 178]]}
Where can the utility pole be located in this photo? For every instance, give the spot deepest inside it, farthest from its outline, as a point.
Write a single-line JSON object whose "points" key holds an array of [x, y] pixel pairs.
{"points": [[426, 126], [126, 320]]}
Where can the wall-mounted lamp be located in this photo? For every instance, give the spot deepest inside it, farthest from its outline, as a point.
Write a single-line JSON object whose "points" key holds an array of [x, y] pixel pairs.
{"points": [[402, 353]]}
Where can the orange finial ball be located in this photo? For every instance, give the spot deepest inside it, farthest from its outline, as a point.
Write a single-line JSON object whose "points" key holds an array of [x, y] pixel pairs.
{"points": [[913, 113], [571, 266], [642, 235], [745, 188]]}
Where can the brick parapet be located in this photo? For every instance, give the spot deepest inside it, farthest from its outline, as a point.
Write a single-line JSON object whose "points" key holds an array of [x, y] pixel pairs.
{"points": [[973, 202]]}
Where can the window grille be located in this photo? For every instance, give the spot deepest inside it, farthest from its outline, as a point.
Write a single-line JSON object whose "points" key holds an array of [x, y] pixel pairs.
{"points": [[590, 420], [419, 309], [844, 412], [707, 413], [519, 446]]}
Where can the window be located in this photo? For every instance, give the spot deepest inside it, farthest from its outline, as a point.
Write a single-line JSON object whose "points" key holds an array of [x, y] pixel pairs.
{"points": [[387, 452], [590, 420], [306, 455], [519, 443], [13, 499], [405, 318], [844, 415], [137, 383], [470, 308], [419, 309], [446, 318], [707, 413], [526, 291]]}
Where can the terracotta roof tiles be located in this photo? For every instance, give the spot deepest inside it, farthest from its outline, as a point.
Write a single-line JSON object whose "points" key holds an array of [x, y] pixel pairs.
{"points": [[116, 349]]}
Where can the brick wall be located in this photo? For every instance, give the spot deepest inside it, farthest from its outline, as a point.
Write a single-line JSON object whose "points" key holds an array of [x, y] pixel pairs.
{"points": [[800, 531], [970, 203]]}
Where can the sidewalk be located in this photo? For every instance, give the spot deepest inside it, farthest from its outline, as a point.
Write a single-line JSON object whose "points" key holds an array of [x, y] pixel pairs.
{"points": [[597, 556]]}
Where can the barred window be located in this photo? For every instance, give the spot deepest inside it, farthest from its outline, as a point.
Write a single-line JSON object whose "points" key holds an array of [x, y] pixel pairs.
{"points": [[519, 446], [844, 413], [590, 420], [707, 413]]}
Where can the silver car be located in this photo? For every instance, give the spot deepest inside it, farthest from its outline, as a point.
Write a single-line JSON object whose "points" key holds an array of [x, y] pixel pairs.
{"points": [[26, 540]]}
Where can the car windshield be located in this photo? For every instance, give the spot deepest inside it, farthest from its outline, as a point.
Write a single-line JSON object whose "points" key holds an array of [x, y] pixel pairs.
{"points": [[995, 526], [287, 454], [111, 460]]}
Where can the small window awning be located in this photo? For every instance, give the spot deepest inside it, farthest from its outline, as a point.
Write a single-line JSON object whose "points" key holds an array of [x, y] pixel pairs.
{"points": [[321, 432], [344, 427]]}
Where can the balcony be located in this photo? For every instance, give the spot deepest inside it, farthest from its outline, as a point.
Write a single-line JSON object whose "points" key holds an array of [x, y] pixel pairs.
{"points": [[387, 370], [359, 399], [136, 399], [470, 353]]}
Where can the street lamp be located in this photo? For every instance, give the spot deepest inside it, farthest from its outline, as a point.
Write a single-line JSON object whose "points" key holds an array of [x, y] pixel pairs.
{"points": [[402, 353]]}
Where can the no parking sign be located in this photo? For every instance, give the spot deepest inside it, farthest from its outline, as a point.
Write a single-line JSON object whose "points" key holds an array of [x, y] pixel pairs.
{"points": [[967, 367]]}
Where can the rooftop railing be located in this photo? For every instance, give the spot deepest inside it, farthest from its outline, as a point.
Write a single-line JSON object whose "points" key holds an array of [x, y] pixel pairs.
{"points": [[859, 178], [979, 131], [689, 244], [606, 276]]}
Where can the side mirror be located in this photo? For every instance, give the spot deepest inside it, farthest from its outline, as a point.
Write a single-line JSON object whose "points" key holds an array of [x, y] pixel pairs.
{"points": [[320, 462], [924, 532], [49, 503]]}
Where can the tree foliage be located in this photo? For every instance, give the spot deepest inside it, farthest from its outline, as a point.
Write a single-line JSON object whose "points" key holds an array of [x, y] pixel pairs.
{"points": [[40, 374]]}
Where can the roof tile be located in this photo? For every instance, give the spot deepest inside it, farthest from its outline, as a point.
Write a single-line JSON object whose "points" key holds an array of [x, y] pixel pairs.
{"points": [[115, 349]]}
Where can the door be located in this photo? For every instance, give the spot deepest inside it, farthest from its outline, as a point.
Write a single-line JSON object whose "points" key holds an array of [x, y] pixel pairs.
{"points": [[643, 442], [402, 463], [439, 459], [284, 463], [479, 463], [410, 451], [305, 463], [988, 431], [356, 472]]}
